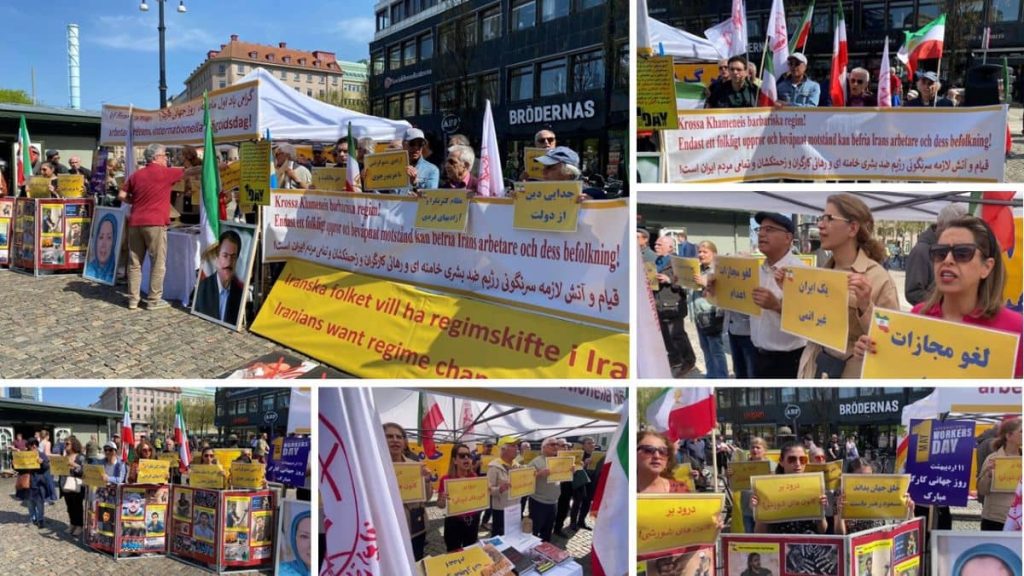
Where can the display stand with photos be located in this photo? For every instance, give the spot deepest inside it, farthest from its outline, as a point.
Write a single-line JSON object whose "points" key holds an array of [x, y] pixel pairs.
{"points": [[6, 229], [50, 234], [127, 520]]}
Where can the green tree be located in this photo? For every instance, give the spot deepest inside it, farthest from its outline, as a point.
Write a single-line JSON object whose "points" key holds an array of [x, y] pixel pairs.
{"points": [[10, 96]]}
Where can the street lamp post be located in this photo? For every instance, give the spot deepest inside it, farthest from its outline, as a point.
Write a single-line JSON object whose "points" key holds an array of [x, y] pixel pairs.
{"points": [[161, 28]]}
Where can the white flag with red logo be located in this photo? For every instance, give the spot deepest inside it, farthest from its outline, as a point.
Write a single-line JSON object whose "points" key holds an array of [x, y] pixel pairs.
{"points": [[730, 36], [683, 413], [491, 182], [777, 39]]}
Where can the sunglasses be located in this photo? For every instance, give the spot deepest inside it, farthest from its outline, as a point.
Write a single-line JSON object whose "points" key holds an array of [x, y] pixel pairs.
{"points": [[209, 455], [543, 140], [795, 459], [856, 81], [463, 455], [828, 218], [108, 449], [962, 253], [652, 450]]}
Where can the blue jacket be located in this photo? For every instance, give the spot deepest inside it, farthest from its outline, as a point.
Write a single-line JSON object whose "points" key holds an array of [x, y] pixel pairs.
{"points": [[428, 176], [804, 95]]}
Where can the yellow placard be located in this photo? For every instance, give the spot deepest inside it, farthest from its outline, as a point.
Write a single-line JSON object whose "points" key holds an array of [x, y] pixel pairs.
{"points": [[26, 460], [364, 335], [816, 305], [683, 473], [1006, 474], [527, 456], [909, 568], [787, 497], [248, 475], [596, 460], [439, 464], [702, 73], [386, 170], [685, 269], [61, 466], [254, 175], [39, 187], [914, 346], [576, 455], [278, 445], [655, 94], [833, 471], [329, 179], [225, 456], [466, 495], [534, 169], [94, 476], [71, 185], [773, 455], [735, 280], [652, 274], [548, 206], [742, 471], [560, 469], [231, 175], [669, 522], [468, 562], [153, 472], [443, 210], [523, 480], [809, 260], [875, 496], [410, 481], [173, 458], [209, 476]]}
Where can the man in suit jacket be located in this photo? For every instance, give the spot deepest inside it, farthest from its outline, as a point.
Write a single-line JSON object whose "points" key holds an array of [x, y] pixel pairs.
{"points": [[220, 295]]}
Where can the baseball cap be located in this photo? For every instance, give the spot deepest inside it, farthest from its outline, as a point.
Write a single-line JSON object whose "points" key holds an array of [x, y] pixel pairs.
{"points": [[318, 147], [50, 153], [414, 134], [110, 445], [797, 56], [506, 440], [779, 219], [559, 155], [928, 75]]}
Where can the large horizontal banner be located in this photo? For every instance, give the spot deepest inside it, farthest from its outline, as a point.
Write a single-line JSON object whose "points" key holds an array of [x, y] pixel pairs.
{"points": [[952, 144], [581, 275], [379, 329], [234, 112]]}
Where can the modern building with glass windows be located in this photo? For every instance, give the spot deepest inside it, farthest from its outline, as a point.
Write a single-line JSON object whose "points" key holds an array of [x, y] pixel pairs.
{"points": [[544, 64]]}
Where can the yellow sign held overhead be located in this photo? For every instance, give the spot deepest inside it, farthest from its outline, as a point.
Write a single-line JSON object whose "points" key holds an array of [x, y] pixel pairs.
{"points": [[548, 206], [523, 480], [560, 469], [443, 210], [152, 472], [466, 495], [669, 522], [254, 174], [410, 481], [787, 497], [735, 280], [386, 170], [248, 475], [71, 185], [832, 470], [576, 455], [875, 496], [817, 305]]}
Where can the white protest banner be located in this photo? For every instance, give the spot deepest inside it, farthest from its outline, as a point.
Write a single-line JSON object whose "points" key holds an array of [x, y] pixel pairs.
{"points": [[951, 144], [582, 275]]}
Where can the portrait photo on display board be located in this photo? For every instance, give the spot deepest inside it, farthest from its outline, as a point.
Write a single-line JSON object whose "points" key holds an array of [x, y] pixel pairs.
{"points": [[959, 553], [223, 283], [104, 245], [294, 539]]}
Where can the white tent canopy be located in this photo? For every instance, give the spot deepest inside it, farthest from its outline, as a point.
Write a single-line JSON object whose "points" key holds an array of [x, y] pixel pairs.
{"points": [[679, 43], [996, 400], [918, 206]]}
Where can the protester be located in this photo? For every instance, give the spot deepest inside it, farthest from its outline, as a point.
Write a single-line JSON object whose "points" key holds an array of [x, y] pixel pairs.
{"points": [[114, 469], [47, 450], [77, 168], [564, 504], [290, 174], [458, 168], [583, 493], [423, 175], [708, 318], [997, 504], [793, 460], [53, 157], [758, 449], [319, 160], [670, 302], [562, 163], [795, 88], [859, 81], [752, 75], [655, 462], [485, 518], [643, 240], [843, 526], [499, 483], [46, 170], [415, 514], [39, 485], [341, 152], [928, 87], [144, 450], [545, 139], [545, 496], [685, 248], [834, 452], [738, 92], [919, 275], [71, 486], [744, 353], [459, 530]]}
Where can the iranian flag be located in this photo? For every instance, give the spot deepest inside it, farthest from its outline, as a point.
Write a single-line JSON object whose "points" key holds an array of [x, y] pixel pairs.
{"points": [[768, 94], [352, 182], [430, 417], [925, 44], [776, 40], [209, 208], [683, 413], [127, 434], [884, 81], [689, 95], [611, 507], [800, 36], [840, 60], [491, 182], [181, 439], [24, 157]]}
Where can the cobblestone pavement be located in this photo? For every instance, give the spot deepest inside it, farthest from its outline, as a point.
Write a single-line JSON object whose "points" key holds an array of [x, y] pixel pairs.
{"points": [[1015, 163], [62, 326]]}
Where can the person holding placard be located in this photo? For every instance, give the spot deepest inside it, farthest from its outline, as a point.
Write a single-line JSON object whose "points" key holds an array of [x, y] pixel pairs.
{"points": [[997, 504], [461, 530], [708, 318], [758, 448], [113, 468], [655, 460], [670, 301], [499, 483], [71, 486], [38, 487], [143, 451], [543, 502], [792, 460], [423, 175], [416, 513], [843, 526], [583, 494], [847, 228]]}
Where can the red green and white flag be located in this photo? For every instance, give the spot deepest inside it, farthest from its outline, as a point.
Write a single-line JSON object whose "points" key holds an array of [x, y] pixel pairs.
{"points": [[127, 434], [840, 60], [209, 208], [801, 34], [683, 413], [24, 158], [181, 439], [352, 165], [430, 417], [777, 41], [925, 44], [611, 506], [769, 93]]}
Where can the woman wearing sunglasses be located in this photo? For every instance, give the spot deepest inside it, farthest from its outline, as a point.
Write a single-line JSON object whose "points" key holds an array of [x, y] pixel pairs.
{"points": [[847, 229], [969, 281], [113, 468], [209, 458], [144, 450], [655, 460], [792, 460], [459, 531], [415, 514], [72, 490], [843, 527]]}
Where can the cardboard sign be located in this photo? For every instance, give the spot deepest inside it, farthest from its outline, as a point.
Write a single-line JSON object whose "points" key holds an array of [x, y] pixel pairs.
{"points": [[940, 459], [560, 468], [248, 475], [39, 187], [254, 178], [548, 206], [231, 176], [735, 280], [329, 179], [914, 346], [875, 496], [208, 476], [153, 472], [172, 457], [742, 471], [787, 497], [669, 522], [534, 169], [225, 456], [61, 466], [685, 269], [1006, 474], [817, 306], [71, 185], [443, 210], [702, 73], [26, 460], [576, 455], [596, 459], [683, 473], [410, 481], [832, 470], [386, 170], [468, 562], [94, 476], [467, 495], [655, 94], [523, 480]]}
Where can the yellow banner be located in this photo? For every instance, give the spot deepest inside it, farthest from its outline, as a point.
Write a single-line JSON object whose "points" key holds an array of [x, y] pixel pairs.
{"points": [[913, 346], [467, 495], [443, 210], [735, 280], [468, 562], [250, 476], [39, 187], [210, 476], [696, 73], [329, 179], [560, 468], [809, 259], [173, 458], [655, 94], [410, 481], [534, 169], [254, 174], [596, 460], [523, 480], [684, 473], [26, 460], [548, 206], [61, 466], [153, 472], [230, 175], [788, 497], [382, 329], [71, 185], [668, 522], [94, 476], [1006, 474], [909, 568], [817, 306], [833, 471], [652, 274], [386, 170], [742, 471], [576, 455], [875, 496], [685, 269]]}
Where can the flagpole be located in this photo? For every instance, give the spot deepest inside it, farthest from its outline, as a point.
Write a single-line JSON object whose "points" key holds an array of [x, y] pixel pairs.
{"points": [[938, 68]]}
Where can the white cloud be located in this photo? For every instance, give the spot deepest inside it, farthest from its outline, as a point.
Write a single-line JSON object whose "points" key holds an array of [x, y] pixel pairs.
{"points": [[139, 33], [358, 30]]}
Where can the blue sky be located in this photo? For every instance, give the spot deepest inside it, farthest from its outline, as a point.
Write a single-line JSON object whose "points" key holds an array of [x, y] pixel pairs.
{"points": [[119, 50], [71, 396]]}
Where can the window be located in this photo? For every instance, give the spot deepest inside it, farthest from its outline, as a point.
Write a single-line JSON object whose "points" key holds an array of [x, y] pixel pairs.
{"points": [[622, 71], [394, 107], [296, 77], [240, 407], [323, 79], [926, 12], [241, 68], [284, 74], [584, 4], [220, 410], [588, 71], [309, 78], [469, 30], [845, 392], [334, 81], [377, 107], [490, 24], [446, 96], [283, 399], [821, 20], [309, 92], [267, 402], [426, 104], [396, 13], [408, 104], [1005, 10], [470, 93], [489, 88], [520, 84], [554, 9], [426, 43], [222, 69], [552, 77], [377, 64], [254, 405], [408, 53], [382, 20], [789, 395], [524, 14], [872, 16], [394, 57], [222, 84]]}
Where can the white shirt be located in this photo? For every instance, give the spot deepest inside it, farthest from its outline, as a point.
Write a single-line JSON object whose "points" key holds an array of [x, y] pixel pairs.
{"points": [[765, 330]]}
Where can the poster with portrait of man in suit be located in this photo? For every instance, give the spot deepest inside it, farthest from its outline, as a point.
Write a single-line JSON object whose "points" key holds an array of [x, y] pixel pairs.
{"points": [[223, 284]]}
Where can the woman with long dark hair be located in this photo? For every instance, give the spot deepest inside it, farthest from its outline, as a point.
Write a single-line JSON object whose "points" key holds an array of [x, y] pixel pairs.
{"points": [[461, 530], [792, 460], [997, 504], [72, 489]]}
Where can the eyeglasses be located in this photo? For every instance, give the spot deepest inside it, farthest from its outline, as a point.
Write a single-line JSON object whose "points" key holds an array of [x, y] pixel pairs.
{"points": [[795, 459], [857, 81], [394, 437], [828, 218], [652, 450], [208, 455], [962, 253], [545, 140], [723, 67], [769, 229], [463, 455]]}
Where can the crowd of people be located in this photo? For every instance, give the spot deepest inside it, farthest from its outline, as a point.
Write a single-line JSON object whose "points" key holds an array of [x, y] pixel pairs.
{"points": [[955, 272]]}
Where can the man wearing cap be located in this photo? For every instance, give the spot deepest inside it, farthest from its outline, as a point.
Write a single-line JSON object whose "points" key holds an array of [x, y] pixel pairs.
{"points": [[290, 174], [499, 483], [796, 89], [738, 92], [423, 175], [778, 353], [319, 160], [928, 87], [562, 163], [53, 157]]}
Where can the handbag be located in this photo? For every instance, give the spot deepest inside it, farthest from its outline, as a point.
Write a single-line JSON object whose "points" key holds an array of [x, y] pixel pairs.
{"points": [[24, 482], [71, 484], [711, 321], [828, 366]]}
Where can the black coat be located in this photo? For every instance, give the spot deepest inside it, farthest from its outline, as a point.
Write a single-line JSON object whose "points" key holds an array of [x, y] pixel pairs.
{"points": [[208, 299]]}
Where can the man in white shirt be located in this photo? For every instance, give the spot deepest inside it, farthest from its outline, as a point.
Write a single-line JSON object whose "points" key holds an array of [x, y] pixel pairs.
{"points": [[778, 353]]}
